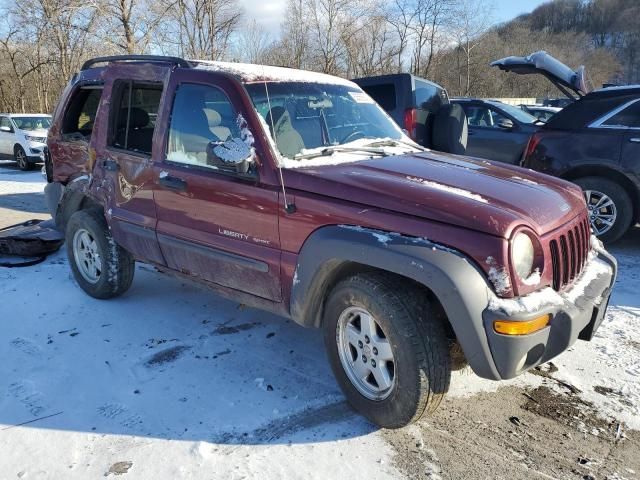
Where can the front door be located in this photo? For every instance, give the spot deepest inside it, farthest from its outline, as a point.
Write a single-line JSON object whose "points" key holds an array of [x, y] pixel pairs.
{"points": [[489, 139], [214, 224]]}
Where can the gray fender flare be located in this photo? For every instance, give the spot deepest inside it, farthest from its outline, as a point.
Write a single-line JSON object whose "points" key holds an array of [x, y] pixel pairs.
{"points": [[72, 198], [457, 282]]}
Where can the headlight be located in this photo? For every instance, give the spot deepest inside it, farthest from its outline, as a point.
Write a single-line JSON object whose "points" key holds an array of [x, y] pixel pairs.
{"points": [[35, 139], [522, 255]]}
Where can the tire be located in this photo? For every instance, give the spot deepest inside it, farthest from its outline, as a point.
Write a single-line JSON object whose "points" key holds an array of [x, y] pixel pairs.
{"points": [[21, 159], [114, 274], [622, 209], [450, 130], [417, 340]]}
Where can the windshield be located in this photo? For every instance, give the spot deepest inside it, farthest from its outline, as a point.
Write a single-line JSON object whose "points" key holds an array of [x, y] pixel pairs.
{"points": [[32, 123], [518, 113], [310, 115]]}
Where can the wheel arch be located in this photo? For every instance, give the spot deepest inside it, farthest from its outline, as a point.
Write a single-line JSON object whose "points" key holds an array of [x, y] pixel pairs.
{"points": [[74, 198], [452, 282], [609, 173]]}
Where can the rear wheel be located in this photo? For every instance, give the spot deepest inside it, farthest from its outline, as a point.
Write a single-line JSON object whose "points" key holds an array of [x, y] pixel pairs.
{"points": [[21, 159], [387, 349], [610, 207], [101, 267]]}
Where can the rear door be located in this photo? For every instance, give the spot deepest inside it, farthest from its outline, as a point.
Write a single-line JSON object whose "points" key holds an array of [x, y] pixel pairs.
{"points": [[214, 224], [123, 145], [628, 119], [7, 137]]}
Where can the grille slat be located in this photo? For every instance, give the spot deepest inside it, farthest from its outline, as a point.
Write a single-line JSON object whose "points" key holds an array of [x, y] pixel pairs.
{"points": [[569, 253]]}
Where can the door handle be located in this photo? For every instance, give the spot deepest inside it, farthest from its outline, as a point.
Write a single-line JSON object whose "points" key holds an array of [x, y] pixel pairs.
{"points": [[174, 183], [110, 165], [634, 140]]}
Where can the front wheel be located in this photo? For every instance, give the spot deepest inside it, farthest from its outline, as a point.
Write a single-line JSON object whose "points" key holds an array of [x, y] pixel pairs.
{"points": [[21, 159], [102, 268], [609, 205], [387, 349]]}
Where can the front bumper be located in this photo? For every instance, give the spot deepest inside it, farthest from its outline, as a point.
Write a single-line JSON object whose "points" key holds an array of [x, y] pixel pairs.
{"points": [[575, 314]]}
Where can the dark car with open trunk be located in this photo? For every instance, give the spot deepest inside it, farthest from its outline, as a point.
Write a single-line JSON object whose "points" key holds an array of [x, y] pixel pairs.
{"points": [[294, 192], [594, 142]]}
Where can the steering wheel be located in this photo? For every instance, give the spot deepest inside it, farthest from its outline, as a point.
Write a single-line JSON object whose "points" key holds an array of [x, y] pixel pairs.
{"points": [[352, 135]]}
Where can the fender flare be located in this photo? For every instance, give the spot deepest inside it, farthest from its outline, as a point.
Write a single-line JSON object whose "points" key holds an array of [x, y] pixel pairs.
{"points": [[73, 198], [455, 280]]}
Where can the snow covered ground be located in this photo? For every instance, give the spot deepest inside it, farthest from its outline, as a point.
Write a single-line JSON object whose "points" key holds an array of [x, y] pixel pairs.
{"points": [[170, 381]]}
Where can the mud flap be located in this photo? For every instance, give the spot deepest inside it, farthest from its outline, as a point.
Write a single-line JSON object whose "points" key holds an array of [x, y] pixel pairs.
{"points": [[28, 243]]}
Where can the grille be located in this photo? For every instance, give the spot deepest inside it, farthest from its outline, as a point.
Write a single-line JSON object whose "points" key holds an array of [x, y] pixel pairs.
{"points": [[569, 252]]}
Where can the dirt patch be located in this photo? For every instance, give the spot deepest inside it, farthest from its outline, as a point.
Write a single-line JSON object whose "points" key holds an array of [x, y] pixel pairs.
{"points": [[568, 409], [515, 434], [617, 394], [228, 329], [119, 468], [167, 355]]}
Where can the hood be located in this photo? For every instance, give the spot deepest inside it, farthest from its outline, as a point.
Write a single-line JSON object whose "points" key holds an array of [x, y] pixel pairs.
{"points": [[36, 133], [470, 193], [542, 63]]}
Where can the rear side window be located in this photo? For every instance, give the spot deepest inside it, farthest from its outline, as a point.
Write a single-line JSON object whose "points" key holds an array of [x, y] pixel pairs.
{"points": [[428, 97], [384, 95], [627, 118], [6, 124], [81, 112], [134, 116]]}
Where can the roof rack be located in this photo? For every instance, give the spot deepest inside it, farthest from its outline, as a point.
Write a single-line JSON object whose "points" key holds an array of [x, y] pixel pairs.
{"points": [[181, 62]]}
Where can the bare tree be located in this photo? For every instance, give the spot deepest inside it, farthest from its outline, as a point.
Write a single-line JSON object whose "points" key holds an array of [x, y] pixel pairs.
{"points": [[200, 28], [252, 43], [471, 19]]}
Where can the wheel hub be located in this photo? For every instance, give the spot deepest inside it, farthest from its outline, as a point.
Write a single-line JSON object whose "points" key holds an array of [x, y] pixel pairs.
{"points": [[602, 211], [365, 353], [86, 256]]}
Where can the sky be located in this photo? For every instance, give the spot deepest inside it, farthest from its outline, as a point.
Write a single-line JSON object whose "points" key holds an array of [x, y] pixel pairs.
{"points": [[269, 13]]}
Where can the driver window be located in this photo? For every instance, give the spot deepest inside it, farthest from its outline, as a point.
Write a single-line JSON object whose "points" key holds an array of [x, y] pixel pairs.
{"points": [[202, 120]]}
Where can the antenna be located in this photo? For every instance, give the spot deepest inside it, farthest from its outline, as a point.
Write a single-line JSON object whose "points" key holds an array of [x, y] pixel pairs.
{"points": [[288, 207]]}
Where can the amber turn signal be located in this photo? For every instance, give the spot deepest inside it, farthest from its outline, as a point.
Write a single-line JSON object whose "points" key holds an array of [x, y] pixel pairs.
{"points": [[511, 327]]}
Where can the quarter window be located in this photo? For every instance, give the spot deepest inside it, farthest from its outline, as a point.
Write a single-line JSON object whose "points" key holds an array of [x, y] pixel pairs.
{"points": [[135, 116], [204, 124], [81, 113], [627, 118]]}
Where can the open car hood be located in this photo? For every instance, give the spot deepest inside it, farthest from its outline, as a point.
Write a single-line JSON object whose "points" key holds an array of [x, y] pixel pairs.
{"points": [[542, 63]]}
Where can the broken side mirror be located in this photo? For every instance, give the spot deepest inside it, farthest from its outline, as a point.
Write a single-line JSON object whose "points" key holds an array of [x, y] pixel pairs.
{"points": [[231, 156], [506, 124]]}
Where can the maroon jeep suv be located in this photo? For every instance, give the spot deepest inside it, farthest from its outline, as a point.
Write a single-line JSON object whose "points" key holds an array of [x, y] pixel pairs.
{"points": [[294, 192]]}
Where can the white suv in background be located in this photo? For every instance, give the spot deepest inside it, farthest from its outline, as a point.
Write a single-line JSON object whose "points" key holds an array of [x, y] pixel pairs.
{"points": [[23, 137]]}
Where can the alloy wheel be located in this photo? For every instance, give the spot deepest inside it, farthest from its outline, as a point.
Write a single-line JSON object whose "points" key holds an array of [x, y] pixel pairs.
{"points": [[365, 353], [602, 211], [87, 258]]}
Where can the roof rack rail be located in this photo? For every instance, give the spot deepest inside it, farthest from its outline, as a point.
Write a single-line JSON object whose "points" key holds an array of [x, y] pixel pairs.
{"points": [[128, 58]]}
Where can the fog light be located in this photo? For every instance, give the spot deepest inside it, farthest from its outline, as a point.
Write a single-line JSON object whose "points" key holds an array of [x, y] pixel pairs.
{"points": [[513, 327]]}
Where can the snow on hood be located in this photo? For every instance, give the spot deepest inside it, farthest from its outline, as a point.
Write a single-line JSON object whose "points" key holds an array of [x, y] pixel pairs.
{"points": [[471, 193], [248, 72]]}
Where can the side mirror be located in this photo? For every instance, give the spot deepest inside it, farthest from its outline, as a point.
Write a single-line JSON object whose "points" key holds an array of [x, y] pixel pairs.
{"points": [[231, 156], [6, 129], [506, 124]]}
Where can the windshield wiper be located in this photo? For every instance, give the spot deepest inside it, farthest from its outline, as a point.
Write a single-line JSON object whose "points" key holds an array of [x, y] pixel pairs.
{"points": [[339, 148], [388, 142]]}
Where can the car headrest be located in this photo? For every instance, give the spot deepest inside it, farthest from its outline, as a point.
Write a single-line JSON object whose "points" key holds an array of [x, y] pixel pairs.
{"points": [[213, 117]]}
